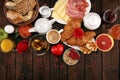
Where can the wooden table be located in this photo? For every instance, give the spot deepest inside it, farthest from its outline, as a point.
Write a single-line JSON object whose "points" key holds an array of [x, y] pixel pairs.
{"points": [[96, 66]]}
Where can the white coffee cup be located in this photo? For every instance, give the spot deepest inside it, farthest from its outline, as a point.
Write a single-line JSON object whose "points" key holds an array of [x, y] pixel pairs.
{"points": [[45, 11], [53, 36]]}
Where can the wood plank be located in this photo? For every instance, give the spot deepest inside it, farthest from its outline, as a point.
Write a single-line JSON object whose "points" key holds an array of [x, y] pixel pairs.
{"points": [[63, 74], [54, 67], [93, 61], [41, 67], [10, 66], [3, 20], [77, 72], [24, 66], [2, 55], [111, 58], [2, 66], [93, 66], [58, 69]]}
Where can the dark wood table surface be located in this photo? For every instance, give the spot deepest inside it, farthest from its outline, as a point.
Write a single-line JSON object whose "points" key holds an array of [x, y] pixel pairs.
{"points": [[96, 66]]}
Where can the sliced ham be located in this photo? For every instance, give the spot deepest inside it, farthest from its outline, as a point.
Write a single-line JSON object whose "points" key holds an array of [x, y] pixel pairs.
{"points": [[76, 8]]}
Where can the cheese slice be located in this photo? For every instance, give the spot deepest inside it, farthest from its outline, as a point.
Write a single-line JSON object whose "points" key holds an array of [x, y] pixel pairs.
{"points": [[56, 15], [59, 11], [58, 4]]}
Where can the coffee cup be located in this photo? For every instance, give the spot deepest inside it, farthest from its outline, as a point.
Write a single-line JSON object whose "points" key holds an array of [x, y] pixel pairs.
{"points": [[45, 11], [53, 36]]}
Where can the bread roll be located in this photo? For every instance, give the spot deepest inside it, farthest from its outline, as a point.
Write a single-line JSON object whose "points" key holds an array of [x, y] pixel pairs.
{"points": [[15, 17]]}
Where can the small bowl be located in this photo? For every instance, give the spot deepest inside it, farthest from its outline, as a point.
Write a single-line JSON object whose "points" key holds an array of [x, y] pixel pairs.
{"points": [[107, 18], [67, 59], [38, 48], [34, 16]]}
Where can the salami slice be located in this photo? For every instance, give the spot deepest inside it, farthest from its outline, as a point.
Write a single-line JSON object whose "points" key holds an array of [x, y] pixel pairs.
{"points": [[76, 8]]}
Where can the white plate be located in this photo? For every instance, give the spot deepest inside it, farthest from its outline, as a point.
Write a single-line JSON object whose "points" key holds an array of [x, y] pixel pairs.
{"points": [[89, 7], [77, 47], [87, 11], [60, 21]]}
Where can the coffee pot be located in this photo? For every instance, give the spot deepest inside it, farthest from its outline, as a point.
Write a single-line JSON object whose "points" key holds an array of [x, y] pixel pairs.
{"points": [[42, 26]]}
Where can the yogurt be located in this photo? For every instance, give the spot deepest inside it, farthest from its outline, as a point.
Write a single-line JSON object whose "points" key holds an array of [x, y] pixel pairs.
{"points": [[9, 29], [92, 21]]}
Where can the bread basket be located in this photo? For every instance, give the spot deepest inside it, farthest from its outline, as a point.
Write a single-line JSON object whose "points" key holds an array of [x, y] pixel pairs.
{"points": [[34, 16]]}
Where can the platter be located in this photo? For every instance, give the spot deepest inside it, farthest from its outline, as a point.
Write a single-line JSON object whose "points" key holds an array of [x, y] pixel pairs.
{"points": [[59, 13]]}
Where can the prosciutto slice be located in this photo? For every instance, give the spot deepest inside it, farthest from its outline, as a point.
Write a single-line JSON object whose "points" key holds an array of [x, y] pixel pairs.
{"points": [[76, 8]]}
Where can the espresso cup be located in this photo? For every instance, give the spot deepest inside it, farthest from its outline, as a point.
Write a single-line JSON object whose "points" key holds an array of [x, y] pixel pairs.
{"points": [[45, 11], [53, 36]]}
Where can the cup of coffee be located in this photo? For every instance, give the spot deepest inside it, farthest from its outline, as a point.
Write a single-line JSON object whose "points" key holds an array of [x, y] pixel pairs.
{"points": [[53, 36]]}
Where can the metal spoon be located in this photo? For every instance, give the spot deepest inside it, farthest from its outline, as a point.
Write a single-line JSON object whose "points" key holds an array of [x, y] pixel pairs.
{"points": [[116, 9]]}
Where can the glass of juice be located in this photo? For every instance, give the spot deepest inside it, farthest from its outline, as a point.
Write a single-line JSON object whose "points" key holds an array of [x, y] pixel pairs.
{"points": [[6, 45], [108, 17], [114, 31]]}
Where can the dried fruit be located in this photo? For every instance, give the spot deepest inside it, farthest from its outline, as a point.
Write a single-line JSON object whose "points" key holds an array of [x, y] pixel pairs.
{"points": [[74, 55], [78, 33]]}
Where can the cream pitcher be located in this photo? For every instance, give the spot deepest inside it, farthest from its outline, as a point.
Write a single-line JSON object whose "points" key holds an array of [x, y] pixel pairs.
{"points": [[42, 25]]}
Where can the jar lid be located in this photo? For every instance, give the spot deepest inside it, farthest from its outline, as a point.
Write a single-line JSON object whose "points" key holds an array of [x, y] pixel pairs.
{"points": [[92, 21]]}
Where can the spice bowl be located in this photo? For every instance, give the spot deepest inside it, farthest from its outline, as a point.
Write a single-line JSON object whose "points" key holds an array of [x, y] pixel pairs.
{"points": [[38, 45]]}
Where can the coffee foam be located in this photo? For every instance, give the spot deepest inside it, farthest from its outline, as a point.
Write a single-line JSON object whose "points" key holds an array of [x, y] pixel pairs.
{"points": [[53, 36]]}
